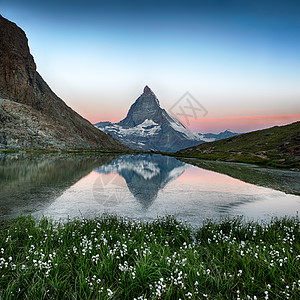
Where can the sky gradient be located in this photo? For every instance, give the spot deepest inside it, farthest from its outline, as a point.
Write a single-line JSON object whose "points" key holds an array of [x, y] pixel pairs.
{"points": [[240, 59]]}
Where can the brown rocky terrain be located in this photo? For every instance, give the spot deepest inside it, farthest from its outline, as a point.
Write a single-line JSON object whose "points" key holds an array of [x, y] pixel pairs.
{"points": [[21, 126], [41, 119]]}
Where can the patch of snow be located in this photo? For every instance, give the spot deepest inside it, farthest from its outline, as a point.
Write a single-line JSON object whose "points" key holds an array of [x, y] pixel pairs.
{"points": [[176, 125], [147, 122], [203, 138], [175, 173], [151, 128], [147, 128], [191, 135], [143, 168]]}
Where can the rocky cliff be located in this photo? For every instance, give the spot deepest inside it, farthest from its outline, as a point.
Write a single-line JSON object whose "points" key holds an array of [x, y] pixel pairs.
{"points": [[21, 83]]}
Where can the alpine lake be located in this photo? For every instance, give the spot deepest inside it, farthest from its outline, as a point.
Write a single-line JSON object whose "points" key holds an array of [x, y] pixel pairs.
{"points": [[144, 187]]}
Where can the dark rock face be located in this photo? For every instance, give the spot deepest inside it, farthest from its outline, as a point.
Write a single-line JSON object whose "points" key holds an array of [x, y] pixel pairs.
{"points": [[3, 140], [147, 91], [20, 82], [147, 126], [17, 68], [145, 107], [4, 117]]}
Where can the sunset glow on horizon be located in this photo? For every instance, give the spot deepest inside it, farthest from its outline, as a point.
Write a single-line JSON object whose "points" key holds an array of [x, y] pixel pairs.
{"points": [[234, 124], [242, 124], [239, 59]]}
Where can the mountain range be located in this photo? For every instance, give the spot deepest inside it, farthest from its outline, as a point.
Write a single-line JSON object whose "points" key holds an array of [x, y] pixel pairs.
{"points": [[148, 127], [31, 114]]}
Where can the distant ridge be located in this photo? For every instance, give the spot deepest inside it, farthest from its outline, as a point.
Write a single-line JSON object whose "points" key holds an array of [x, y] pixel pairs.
{"points": [[46, 120], [278, 146]]}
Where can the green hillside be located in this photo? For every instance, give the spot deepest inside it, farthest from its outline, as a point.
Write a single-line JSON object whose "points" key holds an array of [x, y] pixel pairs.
{"points": [[277, 146]]}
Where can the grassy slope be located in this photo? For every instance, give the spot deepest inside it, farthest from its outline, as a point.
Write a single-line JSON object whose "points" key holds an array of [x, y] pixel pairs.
{"points": [[278, 146]]}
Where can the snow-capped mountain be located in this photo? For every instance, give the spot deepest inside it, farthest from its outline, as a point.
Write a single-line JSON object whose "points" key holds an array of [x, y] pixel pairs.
{"points": [[147, 126]]}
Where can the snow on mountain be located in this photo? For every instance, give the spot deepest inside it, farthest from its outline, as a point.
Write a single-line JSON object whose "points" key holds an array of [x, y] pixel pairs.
{"points": [[175, 173], [147, 126], [144, 168]]}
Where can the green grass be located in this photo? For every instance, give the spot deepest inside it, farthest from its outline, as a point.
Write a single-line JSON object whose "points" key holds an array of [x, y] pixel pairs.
{"points": [[270, 162], [116, 258], [277, 147], [259, 140]]}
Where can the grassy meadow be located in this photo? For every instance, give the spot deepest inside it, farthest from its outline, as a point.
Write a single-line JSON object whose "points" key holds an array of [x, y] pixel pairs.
{"points": [[276, 147], [116, 258]]}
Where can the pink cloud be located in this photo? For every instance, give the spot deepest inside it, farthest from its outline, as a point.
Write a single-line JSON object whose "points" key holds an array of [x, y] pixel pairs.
{"points": [[241, 124]]}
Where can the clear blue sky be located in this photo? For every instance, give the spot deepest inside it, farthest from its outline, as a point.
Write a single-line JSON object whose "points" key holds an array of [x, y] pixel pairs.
{"points": [[240, 59]]}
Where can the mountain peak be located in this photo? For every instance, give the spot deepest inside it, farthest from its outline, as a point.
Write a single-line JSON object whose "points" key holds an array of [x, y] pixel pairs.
{"points": [[147, 126], [147, 91]]}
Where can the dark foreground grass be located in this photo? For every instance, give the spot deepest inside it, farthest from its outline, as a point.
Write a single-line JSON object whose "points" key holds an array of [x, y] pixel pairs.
{"points": [[115, 258]]}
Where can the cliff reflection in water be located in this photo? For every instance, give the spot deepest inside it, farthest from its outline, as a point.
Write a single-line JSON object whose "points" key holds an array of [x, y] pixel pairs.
{"points": [[145, 174], [146, 186], [30, 182]]}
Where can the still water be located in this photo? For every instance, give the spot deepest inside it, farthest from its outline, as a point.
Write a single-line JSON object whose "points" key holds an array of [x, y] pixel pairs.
{"points": [[143, 187]]}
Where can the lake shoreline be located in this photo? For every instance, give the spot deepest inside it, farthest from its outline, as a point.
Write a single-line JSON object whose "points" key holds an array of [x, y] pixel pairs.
{"points": [[238, 159], [270, 164], [142, 186]]}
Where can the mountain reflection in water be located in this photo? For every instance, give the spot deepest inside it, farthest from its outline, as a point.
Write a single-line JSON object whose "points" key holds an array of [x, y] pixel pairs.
{"points": [[62, 186], [145, 174]]}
